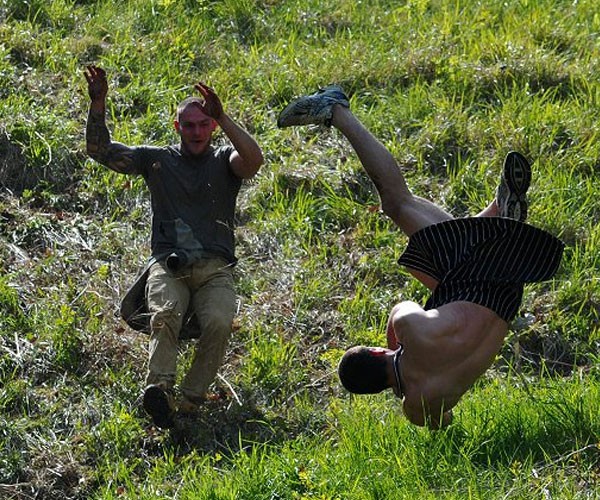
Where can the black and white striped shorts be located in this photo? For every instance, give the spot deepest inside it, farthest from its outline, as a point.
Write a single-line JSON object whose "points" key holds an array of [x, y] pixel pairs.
{"points": [[485, 260]]}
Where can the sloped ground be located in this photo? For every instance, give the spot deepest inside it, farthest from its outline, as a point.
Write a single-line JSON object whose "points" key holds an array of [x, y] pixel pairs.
{"points": [[73, 371]]}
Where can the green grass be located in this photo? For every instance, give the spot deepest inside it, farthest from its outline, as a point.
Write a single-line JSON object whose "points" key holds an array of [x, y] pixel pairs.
{"points": [[449, 87]]}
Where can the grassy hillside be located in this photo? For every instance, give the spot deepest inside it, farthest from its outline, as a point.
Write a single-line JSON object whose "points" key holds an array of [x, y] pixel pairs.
{"points": [[449, 87]]}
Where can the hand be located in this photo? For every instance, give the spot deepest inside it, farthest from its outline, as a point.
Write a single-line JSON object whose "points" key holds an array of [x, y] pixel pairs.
{"points": [[212, 104], [97, 84]]}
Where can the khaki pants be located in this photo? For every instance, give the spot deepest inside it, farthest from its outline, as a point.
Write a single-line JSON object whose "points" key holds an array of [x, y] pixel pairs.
{"points": [[208, 287]]}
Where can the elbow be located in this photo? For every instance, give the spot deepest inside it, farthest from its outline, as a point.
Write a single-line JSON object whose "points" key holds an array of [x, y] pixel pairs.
{"points": [[251, 166], [259, 161], [415, 416], [391, 205], [423, 416]]}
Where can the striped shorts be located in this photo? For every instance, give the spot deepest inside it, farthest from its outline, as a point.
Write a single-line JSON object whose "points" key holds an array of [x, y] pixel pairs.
{"points": [[484, 260]]}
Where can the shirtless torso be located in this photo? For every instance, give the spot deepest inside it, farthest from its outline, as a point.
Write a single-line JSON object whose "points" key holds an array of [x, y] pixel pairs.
{"points": [[445, 351], [475, 269]]}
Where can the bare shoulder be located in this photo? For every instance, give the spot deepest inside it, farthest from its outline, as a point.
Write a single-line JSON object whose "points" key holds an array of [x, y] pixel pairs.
{"points": [[468, 313], [477, 328], [414, 325]]}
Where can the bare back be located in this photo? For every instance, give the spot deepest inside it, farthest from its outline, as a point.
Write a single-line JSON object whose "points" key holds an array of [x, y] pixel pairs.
{"points": [[445, 351]]}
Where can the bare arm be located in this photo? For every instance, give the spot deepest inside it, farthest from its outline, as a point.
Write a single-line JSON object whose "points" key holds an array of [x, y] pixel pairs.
{"points": [[392, 341], [431, 415], [396, 323], [407, 320], [424, 335], [99, 146], [446, 350], [248, 157]]}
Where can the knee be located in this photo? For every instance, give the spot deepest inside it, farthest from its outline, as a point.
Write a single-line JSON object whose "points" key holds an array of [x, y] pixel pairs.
{"points": [[389, 206], [167, 317], [392, 203]]}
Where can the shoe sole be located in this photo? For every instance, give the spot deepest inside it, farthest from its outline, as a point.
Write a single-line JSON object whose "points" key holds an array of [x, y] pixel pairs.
{"points": [[517, 179], [156, 404], [517, 173]]}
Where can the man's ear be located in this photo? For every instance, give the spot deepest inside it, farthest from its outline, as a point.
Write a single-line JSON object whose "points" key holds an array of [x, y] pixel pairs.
{"points": [[214, 125], [176, 125]]}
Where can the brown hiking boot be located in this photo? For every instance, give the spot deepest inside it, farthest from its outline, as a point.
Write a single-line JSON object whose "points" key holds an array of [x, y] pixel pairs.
{"points": [[187, 407]]}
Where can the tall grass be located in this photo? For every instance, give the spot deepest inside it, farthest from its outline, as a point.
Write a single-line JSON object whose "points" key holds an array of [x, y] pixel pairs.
{"points": [[449, 87]]}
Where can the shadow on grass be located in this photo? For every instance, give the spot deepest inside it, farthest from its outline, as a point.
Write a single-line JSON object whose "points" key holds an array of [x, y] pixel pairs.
{"points": [[220, 425]]}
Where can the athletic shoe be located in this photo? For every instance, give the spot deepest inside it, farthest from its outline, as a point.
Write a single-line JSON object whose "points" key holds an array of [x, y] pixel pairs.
{"points": [[316, 109], [511, 195], [159, 404]]}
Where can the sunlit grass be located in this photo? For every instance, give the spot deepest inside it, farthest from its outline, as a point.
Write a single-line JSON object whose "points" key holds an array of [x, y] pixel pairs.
{"points": [[449, 88]]}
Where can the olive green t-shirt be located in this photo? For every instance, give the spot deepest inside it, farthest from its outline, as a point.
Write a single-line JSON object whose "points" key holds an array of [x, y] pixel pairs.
{"points": [[193, 200]]}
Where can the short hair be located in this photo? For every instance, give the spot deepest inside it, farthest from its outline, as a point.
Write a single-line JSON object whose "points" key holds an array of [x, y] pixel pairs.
{"points": [[361, 372], [195, 101]]}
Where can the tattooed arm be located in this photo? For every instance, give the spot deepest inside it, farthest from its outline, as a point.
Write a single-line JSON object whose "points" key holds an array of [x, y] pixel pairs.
{"points": [[99, 146]]}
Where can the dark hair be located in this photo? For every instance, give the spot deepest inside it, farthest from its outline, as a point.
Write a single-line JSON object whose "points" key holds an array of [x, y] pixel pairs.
{"points": [[361, 372]]}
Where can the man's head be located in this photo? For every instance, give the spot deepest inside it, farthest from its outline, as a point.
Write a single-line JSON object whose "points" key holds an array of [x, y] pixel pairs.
{"points": [[194, 126], [364, 370]]}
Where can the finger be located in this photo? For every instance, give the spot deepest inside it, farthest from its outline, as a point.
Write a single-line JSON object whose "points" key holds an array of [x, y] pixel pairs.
{"points": [[205, 88], [202, 91]]}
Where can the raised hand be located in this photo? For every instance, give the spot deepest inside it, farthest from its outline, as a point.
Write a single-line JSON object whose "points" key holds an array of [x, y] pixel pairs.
{"points": [[212, 104], [97, 83]]}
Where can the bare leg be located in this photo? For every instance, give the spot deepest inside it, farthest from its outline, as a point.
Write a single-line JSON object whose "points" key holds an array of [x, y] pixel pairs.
{"points": [[330, 106], [411, 213], [490, 211]]}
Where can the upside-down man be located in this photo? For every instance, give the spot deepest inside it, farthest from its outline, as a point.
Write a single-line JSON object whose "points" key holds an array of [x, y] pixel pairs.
{"points": [[475, 268]]}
